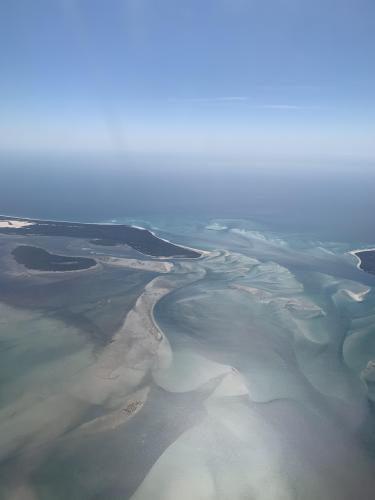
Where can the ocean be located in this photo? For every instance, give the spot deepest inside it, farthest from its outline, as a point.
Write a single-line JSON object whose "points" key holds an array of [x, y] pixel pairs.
{"points": [[331, 199]]}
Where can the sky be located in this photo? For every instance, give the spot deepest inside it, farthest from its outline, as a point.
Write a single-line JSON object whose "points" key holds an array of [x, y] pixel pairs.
{"points": [[244, 79]]}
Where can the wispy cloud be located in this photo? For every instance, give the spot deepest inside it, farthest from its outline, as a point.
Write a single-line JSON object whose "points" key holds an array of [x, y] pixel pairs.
{"points": [[212, 99], [286, 107], [232, 99], [243, 99]]}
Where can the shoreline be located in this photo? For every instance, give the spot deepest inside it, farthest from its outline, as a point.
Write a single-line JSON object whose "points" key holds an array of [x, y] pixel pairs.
{"points": [[359, 250], [21, 223], [17, 217], [35, 269], [204, 253]]}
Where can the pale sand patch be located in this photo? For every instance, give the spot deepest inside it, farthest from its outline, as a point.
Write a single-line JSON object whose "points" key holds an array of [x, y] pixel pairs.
{"points": [[114, 419], [187, 371], [261, 295], [15, 224], [233, 384], [112, 381], [300, 307], [143, 265], [357, 297], [23, 491], [131, 354]]}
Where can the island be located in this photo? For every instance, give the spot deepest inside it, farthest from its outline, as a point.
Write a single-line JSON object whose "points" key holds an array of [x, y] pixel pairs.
{"points": [[41, 260], [366, 259], [141, 240]]}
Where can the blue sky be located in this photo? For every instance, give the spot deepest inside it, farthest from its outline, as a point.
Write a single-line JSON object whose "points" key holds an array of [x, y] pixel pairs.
{"points": [[235, 78]]}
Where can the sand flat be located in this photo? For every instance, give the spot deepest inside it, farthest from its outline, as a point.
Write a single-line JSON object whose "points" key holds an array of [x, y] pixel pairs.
{"points": [[15, 224]]}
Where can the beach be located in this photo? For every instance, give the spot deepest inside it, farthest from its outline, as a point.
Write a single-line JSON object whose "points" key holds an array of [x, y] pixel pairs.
{"points": [[14, 223]]}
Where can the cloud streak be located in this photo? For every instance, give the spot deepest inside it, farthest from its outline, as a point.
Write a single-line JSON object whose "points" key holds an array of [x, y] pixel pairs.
{"points": [[247, 100], [212, 99], [242, 100], [287, 107]]}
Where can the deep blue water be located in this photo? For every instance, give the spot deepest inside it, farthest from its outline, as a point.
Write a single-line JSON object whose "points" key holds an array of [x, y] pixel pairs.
{"points": [[334, 203]]}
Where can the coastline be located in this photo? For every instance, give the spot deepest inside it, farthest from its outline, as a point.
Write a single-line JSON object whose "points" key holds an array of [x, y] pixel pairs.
{"points": [[359, 250], [14, 223], [137, 237], [204, 253], [17, 217]]}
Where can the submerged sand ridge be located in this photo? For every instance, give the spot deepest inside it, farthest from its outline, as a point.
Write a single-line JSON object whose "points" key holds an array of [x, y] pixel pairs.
{"points": [[113, 380], [223, 381]]}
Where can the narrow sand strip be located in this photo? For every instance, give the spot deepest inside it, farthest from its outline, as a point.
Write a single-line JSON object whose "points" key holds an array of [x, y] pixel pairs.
{"points": [[143, 265], [15, 224], [357, 297], [359, 250]]}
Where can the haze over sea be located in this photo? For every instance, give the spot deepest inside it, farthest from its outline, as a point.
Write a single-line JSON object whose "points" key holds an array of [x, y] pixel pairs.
{"points": [[332, 198]]}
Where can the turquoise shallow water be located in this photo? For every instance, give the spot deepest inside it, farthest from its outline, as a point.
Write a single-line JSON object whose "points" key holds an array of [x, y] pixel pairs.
{"points": [[263, 385], [262, 388], [284, 319]]}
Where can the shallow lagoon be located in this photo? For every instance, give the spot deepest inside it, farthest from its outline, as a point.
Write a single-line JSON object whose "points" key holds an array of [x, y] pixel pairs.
{"points": [[261, 387]]}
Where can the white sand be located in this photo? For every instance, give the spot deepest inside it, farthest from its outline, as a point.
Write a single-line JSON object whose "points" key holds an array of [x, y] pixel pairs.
{"points": [[357, 297], [113, 380], [354, 253], [132, 353], [114, 419], [143, 265], [202, 252], [15, 224]]}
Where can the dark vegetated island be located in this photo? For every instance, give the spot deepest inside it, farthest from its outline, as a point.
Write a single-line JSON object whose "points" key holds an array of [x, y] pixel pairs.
{"points": [[41, 260], [141, 240], [104, 243], [367, 258]]}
